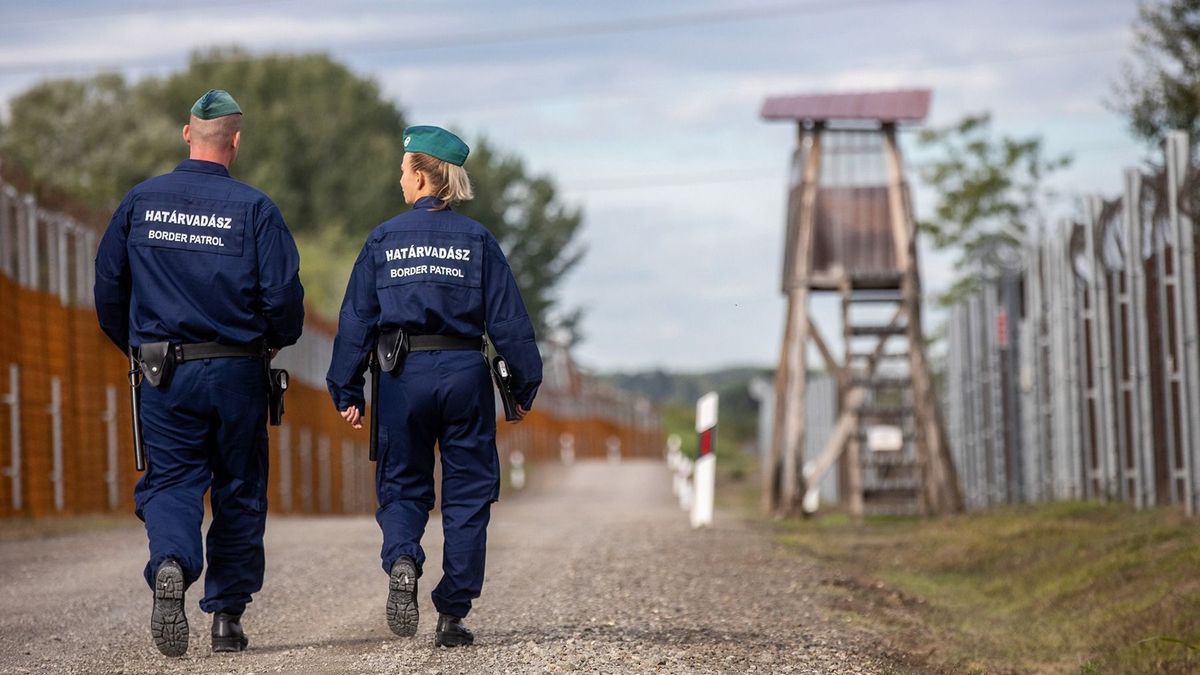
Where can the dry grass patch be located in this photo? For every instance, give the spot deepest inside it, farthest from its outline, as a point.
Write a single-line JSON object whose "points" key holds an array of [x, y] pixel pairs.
{"points": [[1072, 587]]}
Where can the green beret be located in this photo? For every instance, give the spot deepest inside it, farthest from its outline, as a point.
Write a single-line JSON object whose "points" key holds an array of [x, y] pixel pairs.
{"points": [[215, 103], [436, 142]]}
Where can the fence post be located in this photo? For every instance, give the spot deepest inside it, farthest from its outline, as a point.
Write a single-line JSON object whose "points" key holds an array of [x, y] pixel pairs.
{"points": [[954, 390], [1044, 330], [976, 447], [306, 471], [52, 226], [996, 478], [1102, 355], [1141, 431], [13, 400], [8, 198], [1010, 336], [56, 443], [285, 467], [23, 261], [366, 478], [1071, 365], [348, 483], [1028, 368], [112, 474], [324, 475], [1178, 151], [33, 268], [62, 274], [83, 256]]}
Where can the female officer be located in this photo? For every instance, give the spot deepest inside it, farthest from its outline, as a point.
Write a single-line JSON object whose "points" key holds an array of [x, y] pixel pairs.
{"points": [[442, 279]]}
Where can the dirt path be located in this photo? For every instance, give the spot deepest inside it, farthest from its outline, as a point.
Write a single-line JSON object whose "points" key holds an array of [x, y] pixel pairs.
{"points": [[591, 569]]}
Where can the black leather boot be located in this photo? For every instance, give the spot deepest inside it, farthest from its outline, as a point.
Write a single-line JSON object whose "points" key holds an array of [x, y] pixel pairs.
{"points": [[451, 632], [168, 621], [227, 635], [402, 615]]}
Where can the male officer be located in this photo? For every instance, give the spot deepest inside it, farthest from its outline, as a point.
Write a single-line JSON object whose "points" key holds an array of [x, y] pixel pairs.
{"points": [[441, 278], [197, 273]]}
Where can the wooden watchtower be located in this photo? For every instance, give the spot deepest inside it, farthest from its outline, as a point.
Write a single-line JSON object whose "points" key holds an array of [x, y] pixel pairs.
{"points": [[850, 232]]}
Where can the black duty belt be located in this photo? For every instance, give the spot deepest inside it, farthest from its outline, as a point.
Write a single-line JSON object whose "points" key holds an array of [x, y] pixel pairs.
{"points": [[433, 343], [214, 350]]}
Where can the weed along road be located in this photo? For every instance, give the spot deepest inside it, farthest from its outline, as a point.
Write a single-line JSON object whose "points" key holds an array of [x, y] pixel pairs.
{"points": [[591, 568]]}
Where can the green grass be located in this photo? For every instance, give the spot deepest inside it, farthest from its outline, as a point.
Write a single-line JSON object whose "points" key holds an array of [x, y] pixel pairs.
{"points": [[1070, 587]]}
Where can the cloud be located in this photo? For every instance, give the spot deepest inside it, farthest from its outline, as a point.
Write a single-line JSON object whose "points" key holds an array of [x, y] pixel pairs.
{"points": [[656, 133]]}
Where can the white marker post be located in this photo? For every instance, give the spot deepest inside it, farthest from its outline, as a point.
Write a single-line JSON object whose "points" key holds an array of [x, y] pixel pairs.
{"points": [[516, 462], [614, 450], [566, 448], [705, 471], [674, 442]]}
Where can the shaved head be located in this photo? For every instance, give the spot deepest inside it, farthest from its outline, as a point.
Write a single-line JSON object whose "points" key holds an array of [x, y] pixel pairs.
{"points": [[215, 133]]}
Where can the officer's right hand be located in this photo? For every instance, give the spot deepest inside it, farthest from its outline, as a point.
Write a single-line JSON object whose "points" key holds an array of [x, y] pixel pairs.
{"points": [[352, 416], [521, 413]]}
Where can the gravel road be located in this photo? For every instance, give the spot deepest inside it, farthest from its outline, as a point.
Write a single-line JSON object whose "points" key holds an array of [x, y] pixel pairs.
{"points": [[592, 568]]}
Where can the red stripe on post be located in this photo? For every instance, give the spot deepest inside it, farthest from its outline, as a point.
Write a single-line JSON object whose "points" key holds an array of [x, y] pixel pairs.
{"points": [[706, 442]]}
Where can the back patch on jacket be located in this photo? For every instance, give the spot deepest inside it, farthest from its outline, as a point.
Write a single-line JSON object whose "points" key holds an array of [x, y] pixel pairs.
{"points": [[438, 257], [189, 223]]}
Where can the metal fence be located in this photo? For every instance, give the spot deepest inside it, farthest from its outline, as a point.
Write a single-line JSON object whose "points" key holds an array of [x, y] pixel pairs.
{"points": [[1078, 376], [821, 412], [65, 443]]}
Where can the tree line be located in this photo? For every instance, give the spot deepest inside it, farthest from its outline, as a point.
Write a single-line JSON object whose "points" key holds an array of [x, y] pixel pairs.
{"points": [[322, 141]]}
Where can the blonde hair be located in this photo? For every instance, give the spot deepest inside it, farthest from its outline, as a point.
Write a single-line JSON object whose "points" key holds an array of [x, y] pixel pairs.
{"points": [[449, 181]]}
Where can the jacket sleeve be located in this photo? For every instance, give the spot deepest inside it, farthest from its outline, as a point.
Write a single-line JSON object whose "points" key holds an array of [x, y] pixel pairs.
{"points": [[282, 295], [113, 278], [508, 325], [357, 326]]}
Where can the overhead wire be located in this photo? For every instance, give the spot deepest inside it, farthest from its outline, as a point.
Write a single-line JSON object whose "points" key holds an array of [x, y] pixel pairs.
{"points": [[469, 39]]}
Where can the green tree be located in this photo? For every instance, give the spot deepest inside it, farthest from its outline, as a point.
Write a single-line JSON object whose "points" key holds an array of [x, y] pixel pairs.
{"points": [[1159, 88], [86, 137], [990, 192], [322, 141]]}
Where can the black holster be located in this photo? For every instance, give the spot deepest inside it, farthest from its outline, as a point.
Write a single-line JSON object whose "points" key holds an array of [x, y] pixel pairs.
{"points": [[158, 362], [503, 377], [278, 380]]}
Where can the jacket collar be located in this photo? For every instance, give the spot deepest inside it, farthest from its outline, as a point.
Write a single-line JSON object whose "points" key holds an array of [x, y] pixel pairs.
{"points": [[201, 166], [430, 204]]}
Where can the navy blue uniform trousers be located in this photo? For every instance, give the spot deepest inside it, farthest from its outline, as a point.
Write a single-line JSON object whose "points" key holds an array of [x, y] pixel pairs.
{"points": [[207, 428], [442, 397]]}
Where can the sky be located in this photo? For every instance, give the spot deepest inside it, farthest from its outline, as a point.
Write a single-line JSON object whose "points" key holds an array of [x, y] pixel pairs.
{"points": [[646, 115]]}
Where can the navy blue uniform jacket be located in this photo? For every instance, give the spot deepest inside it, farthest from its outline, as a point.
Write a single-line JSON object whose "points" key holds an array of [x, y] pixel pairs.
{"points": [[432, 272], [196, 256]]}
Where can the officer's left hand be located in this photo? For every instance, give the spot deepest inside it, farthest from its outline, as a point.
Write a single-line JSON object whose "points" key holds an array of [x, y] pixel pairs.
{"points": [[521, 413], [352, 416]]}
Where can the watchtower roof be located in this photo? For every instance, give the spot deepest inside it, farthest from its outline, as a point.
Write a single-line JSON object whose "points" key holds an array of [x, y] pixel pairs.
{"points": [[908, 105]]}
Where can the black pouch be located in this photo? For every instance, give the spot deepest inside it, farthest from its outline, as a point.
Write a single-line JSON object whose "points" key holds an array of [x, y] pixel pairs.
{"points": [[279, 384], [391, 349], [158, 362]]}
